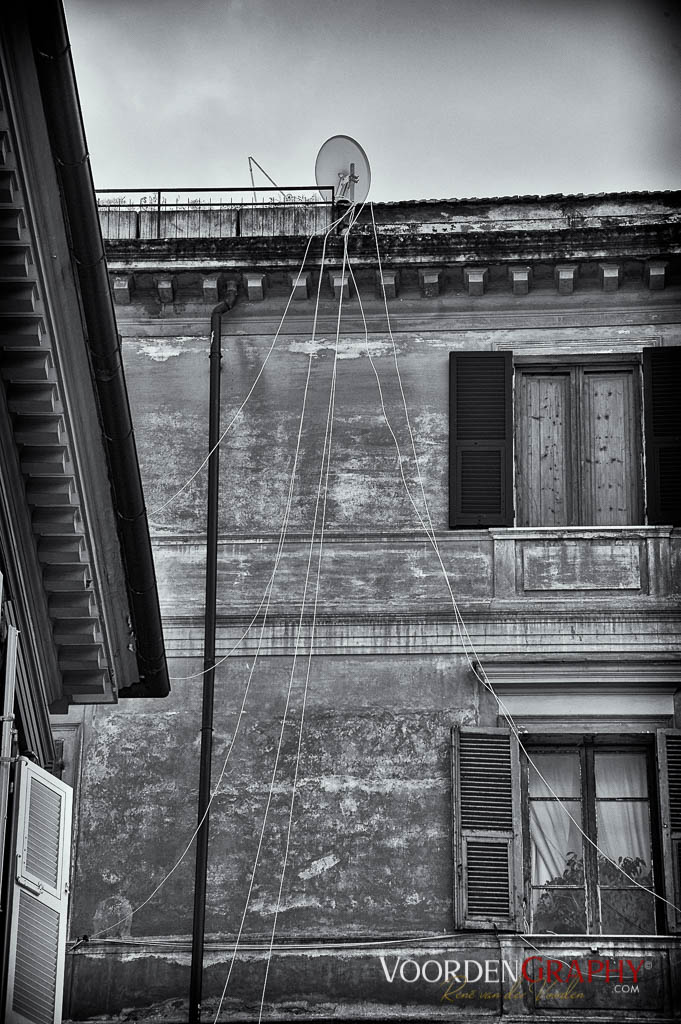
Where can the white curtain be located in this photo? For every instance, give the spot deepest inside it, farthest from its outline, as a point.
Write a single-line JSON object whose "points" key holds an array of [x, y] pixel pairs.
{"points": [[623, 835], [554, 839], [620, 774]]}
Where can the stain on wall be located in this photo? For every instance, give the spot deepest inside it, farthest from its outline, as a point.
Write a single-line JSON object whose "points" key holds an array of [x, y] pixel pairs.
{"points": [[168, 390], [370, 847]]}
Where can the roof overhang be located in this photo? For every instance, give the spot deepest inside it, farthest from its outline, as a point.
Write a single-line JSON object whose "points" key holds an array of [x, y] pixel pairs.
{"points": [[70, 457]]}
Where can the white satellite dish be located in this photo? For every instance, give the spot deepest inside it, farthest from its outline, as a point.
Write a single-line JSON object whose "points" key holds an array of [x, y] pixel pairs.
{"points": [[342, 166]]}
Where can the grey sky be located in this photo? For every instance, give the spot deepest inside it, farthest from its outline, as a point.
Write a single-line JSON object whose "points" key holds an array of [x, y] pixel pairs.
{"points": [[447, 97]]}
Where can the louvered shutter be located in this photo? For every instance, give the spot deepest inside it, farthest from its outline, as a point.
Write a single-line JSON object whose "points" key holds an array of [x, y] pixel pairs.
{"points": [[38, 898], [669, 772], [662, 386], [10, 675], [480, 439], [487, 832]]}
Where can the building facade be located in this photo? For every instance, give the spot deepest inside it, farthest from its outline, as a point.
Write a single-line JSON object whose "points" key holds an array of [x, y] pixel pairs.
{"points": [[451, 474]]}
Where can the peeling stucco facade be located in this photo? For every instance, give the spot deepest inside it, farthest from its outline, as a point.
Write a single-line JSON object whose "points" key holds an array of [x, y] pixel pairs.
{"points": [[591, 608]]}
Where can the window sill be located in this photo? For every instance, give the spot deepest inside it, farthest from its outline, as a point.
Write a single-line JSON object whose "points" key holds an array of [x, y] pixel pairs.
{"points": [[579, 532], [582, 561]]}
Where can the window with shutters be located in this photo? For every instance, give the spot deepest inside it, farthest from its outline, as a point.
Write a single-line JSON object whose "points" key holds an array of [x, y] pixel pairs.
{"points": [[571, 835], [591, 443], [578, 886]]}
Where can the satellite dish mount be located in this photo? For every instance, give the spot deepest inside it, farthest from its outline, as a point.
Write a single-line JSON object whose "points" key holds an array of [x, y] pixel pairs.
{"points": [[345, 189], [342, 171]]}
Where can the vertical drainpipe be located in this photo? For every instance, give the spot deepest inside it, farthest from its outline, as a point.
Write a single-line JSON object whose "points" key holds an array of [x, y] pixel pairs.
{"points": [[199, 919]]}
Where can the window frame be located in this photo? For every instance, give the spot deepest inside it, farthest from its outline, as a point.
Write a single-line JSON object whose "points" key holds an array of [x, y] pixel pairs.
{"points": [[576, 368], [484, 499], [587, 744]]}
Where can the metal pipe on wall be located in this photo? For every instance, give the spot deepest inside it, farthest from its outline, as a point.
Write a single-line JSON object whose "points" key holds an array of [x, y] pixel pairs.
{"points": [[199, 919]]}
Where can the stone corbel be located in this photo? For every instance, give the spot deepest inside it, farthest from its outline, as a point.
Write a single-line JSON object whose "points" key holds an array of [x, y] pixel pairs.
{"points": [[300, 285], [211, 289], [655, 273], [429, 282], [389, 285], [254, 285], [475, 280], [565, 276], [122, 287], [520, 278], [340, 284], [610, 275], [165, 286]]}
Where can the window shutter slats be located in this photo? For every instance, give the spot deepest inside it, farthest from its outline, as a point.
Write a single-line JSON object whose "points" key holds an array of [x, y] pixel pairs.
{"points": [[669, 771], [662, 381], [488, 884], [37, 959], [38, 898], [481, 439], [10, 674], [43, 834], [487, 846]]}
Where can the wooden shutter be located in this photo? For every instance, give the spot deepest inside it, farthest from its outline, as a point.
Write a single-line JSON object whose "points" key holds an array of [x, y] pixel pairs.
{"points": [[544, 481], [611, 452], [487, 832], [480, 439], [38, 898], [669, 772], [662, 386]]}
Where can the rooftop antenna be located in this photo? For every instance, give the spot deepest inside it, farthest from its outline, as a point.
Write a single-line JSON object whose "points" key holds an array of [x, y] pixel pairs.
{"points": [[342, 161], [251, 161]]}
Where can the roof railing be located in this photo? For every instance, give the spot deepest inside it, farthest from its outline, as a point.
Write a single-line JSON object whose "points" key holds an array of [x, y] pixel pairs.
{"points": [[149, 214]]}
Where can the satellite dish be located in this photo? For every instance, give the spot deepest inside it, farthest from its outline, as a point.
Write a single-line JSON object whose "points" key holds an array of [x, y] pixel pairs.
{"points": [[342, 170]]}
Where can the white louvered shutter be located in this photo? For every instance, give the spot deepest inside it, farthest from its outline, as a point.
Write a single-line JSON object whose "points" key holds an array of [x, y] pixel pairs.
{"points": [[669, 773], [487, 833], [39, 897], [7, 705]]}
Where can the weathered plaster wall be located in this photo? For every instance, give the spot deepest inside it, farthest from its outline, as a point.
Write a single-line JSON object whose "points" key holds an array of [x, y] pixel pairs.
{"points": [[168, 389], [387, 983], [371, 846]]}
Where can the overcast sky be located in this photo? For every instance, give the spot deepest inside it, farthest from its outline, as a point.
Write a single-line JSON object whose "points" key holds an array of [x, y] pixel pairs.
{"points": [[448, 97]]}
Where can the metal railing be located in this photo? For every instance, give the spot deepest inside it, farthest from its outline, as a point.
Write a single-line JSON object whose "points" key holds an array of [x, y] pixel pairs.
{"points": [[214, 212]]}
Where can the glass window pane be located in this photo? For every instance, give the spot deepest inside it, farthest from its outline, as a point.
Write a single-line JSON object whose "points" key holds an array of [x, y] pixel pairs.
{"points": [[561, 772], [562, 911], [556, 843], [620, 774], [624, 836], [627, 911]]}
